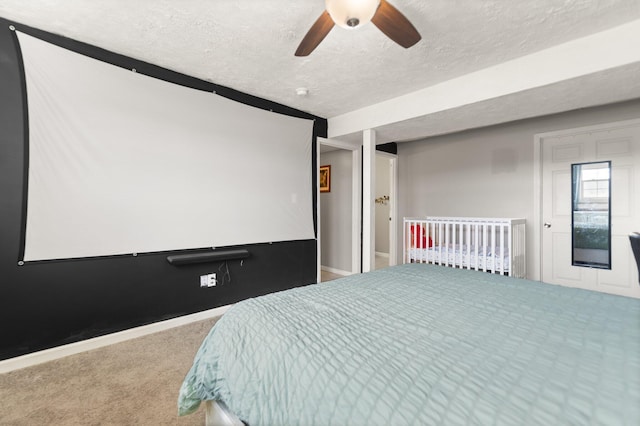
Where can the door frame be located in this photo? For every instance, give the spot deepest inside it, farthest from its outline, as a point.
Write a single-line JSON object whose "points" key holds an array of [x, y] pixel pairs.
{"points": [[356, 206], [538, 141]]}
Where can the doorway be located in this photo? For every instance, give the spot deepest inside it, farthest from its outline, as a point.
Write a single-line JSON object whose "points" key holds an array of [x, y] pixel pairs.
{"points": [[339, 209], [560, 154]]}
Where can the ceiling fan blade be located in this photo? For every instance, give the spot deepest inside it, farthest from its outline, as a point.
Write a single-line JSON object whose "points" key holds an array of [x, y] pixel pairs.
{"points": [[316, 34], [395, 26]]}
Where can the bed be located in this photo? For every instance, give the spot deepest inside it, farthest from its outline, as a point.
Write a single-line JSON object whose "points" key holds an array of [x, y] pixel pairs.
{"points": [[422, 344], [495, 245]]}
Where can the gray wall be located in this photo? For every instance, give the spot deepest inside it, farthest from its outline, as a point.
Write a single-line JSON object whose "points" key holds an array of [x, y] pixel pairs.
{"points": [[485, 172], [383, 187], [335, 212]]}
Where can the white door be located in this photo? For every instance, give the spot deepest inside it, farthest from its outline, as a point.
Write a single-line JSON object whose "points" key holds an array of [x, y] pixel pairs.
{"points": [[620, 144], [385, 209]]}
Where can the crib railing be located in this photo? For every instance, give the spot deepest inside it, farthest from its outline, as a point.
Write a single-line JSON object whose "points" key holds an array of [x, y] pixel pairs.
{"points": [[495, 245]]}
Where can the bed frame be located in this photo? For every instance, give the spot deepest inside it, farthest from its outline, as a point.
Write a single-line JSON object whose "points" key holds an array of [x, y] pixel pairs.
{"points": [[495, 245], [217, 414]]}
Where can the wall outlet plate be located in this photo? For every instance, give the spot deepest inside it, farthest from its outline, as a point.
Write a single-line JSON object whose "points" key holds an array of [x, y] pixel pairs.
{"points": [[208, 280]]}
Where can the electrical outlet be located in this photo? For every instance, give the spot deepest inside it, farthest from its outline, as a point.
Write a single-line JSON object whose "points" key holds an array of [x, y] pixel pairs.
{"points": [[212, 280], [208, 280]]}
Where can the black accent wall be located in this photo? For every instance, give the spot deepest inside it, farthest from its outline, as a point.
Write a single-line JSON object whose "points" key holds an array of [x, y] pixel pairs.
{"points": [[47, 304]]}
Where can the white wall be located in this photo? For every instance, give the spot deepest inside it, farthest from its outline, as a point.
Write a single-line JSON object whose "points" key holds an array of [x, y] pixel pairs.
{"points": [[485, 172], [335, 212], [383, 182]]}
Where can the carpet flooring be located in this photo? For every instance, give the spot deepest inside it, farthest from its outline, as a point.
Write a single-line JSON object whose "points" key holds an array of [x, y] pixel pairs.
{"points": [[130, 383]]}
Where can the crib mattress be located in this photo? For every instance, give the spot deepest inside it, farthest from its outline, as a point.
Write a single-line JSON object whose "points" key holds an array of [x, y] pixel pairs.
{"points": [[423, 344], [459, 257]]}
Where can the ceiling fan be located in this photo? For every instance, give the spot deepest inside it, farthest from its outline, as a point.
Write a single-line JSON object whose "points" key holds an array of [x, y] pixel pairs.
{"points": [[355, 13]]}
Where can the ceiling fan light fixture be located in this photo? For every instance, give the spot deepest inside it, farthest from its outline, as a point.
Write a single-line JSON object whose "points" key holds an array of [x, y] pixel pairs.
{"points": [[351, 13]]}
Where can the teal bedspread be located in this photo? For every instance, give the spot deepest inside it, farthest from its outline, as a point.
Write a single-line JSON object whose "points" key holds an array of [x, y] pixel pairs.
{"points": [[420, 344]]}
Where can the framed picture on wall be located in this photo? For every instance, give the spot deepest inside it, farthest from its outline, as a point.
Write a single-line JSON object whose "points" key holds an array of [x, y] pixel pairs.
{"points": [[325, 178]]}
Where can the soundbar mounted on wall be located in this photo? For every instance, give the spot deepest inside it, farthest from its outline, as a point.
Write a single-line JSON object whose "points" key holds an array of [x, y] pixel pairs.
{"points": [[213, 256]]}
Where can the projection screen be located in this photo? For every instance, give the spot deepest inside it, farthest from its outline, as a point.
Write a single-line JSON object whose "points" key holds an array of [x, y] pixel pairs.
{"points": [[122, 163]]}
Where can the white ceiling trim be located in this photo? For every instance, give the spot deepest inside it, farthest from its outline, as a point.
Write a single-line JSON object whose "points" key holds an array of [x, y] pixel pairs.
{"points": [[578, 58]]}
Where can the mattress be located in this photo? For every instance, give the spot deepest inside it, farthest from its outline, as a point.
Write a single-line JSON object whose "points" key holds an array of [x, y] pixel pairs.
{"points": [[462, 257], [422, 344]]}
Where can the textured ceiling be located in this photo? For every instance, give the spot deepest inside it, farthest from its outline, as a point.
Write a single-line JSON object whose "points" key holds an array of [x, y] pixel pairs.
{"points": [[249, 44]]}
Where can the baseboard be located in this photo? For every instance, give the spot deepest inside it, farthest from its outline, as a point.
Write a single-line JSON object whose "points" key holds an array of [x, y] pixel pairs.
{"points": [[46, 355], [336, 271], [379, 253]]}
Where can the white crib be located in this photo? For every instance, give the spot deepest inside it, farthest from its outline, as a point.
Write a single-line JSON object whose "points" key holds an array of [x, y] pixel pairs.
{"points": [[495, 245]]}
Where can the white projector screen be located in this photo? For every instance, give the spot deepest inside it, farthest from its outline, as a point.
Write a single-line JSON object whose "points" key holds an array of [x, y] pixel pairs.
{"points": [[121, 163]]}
